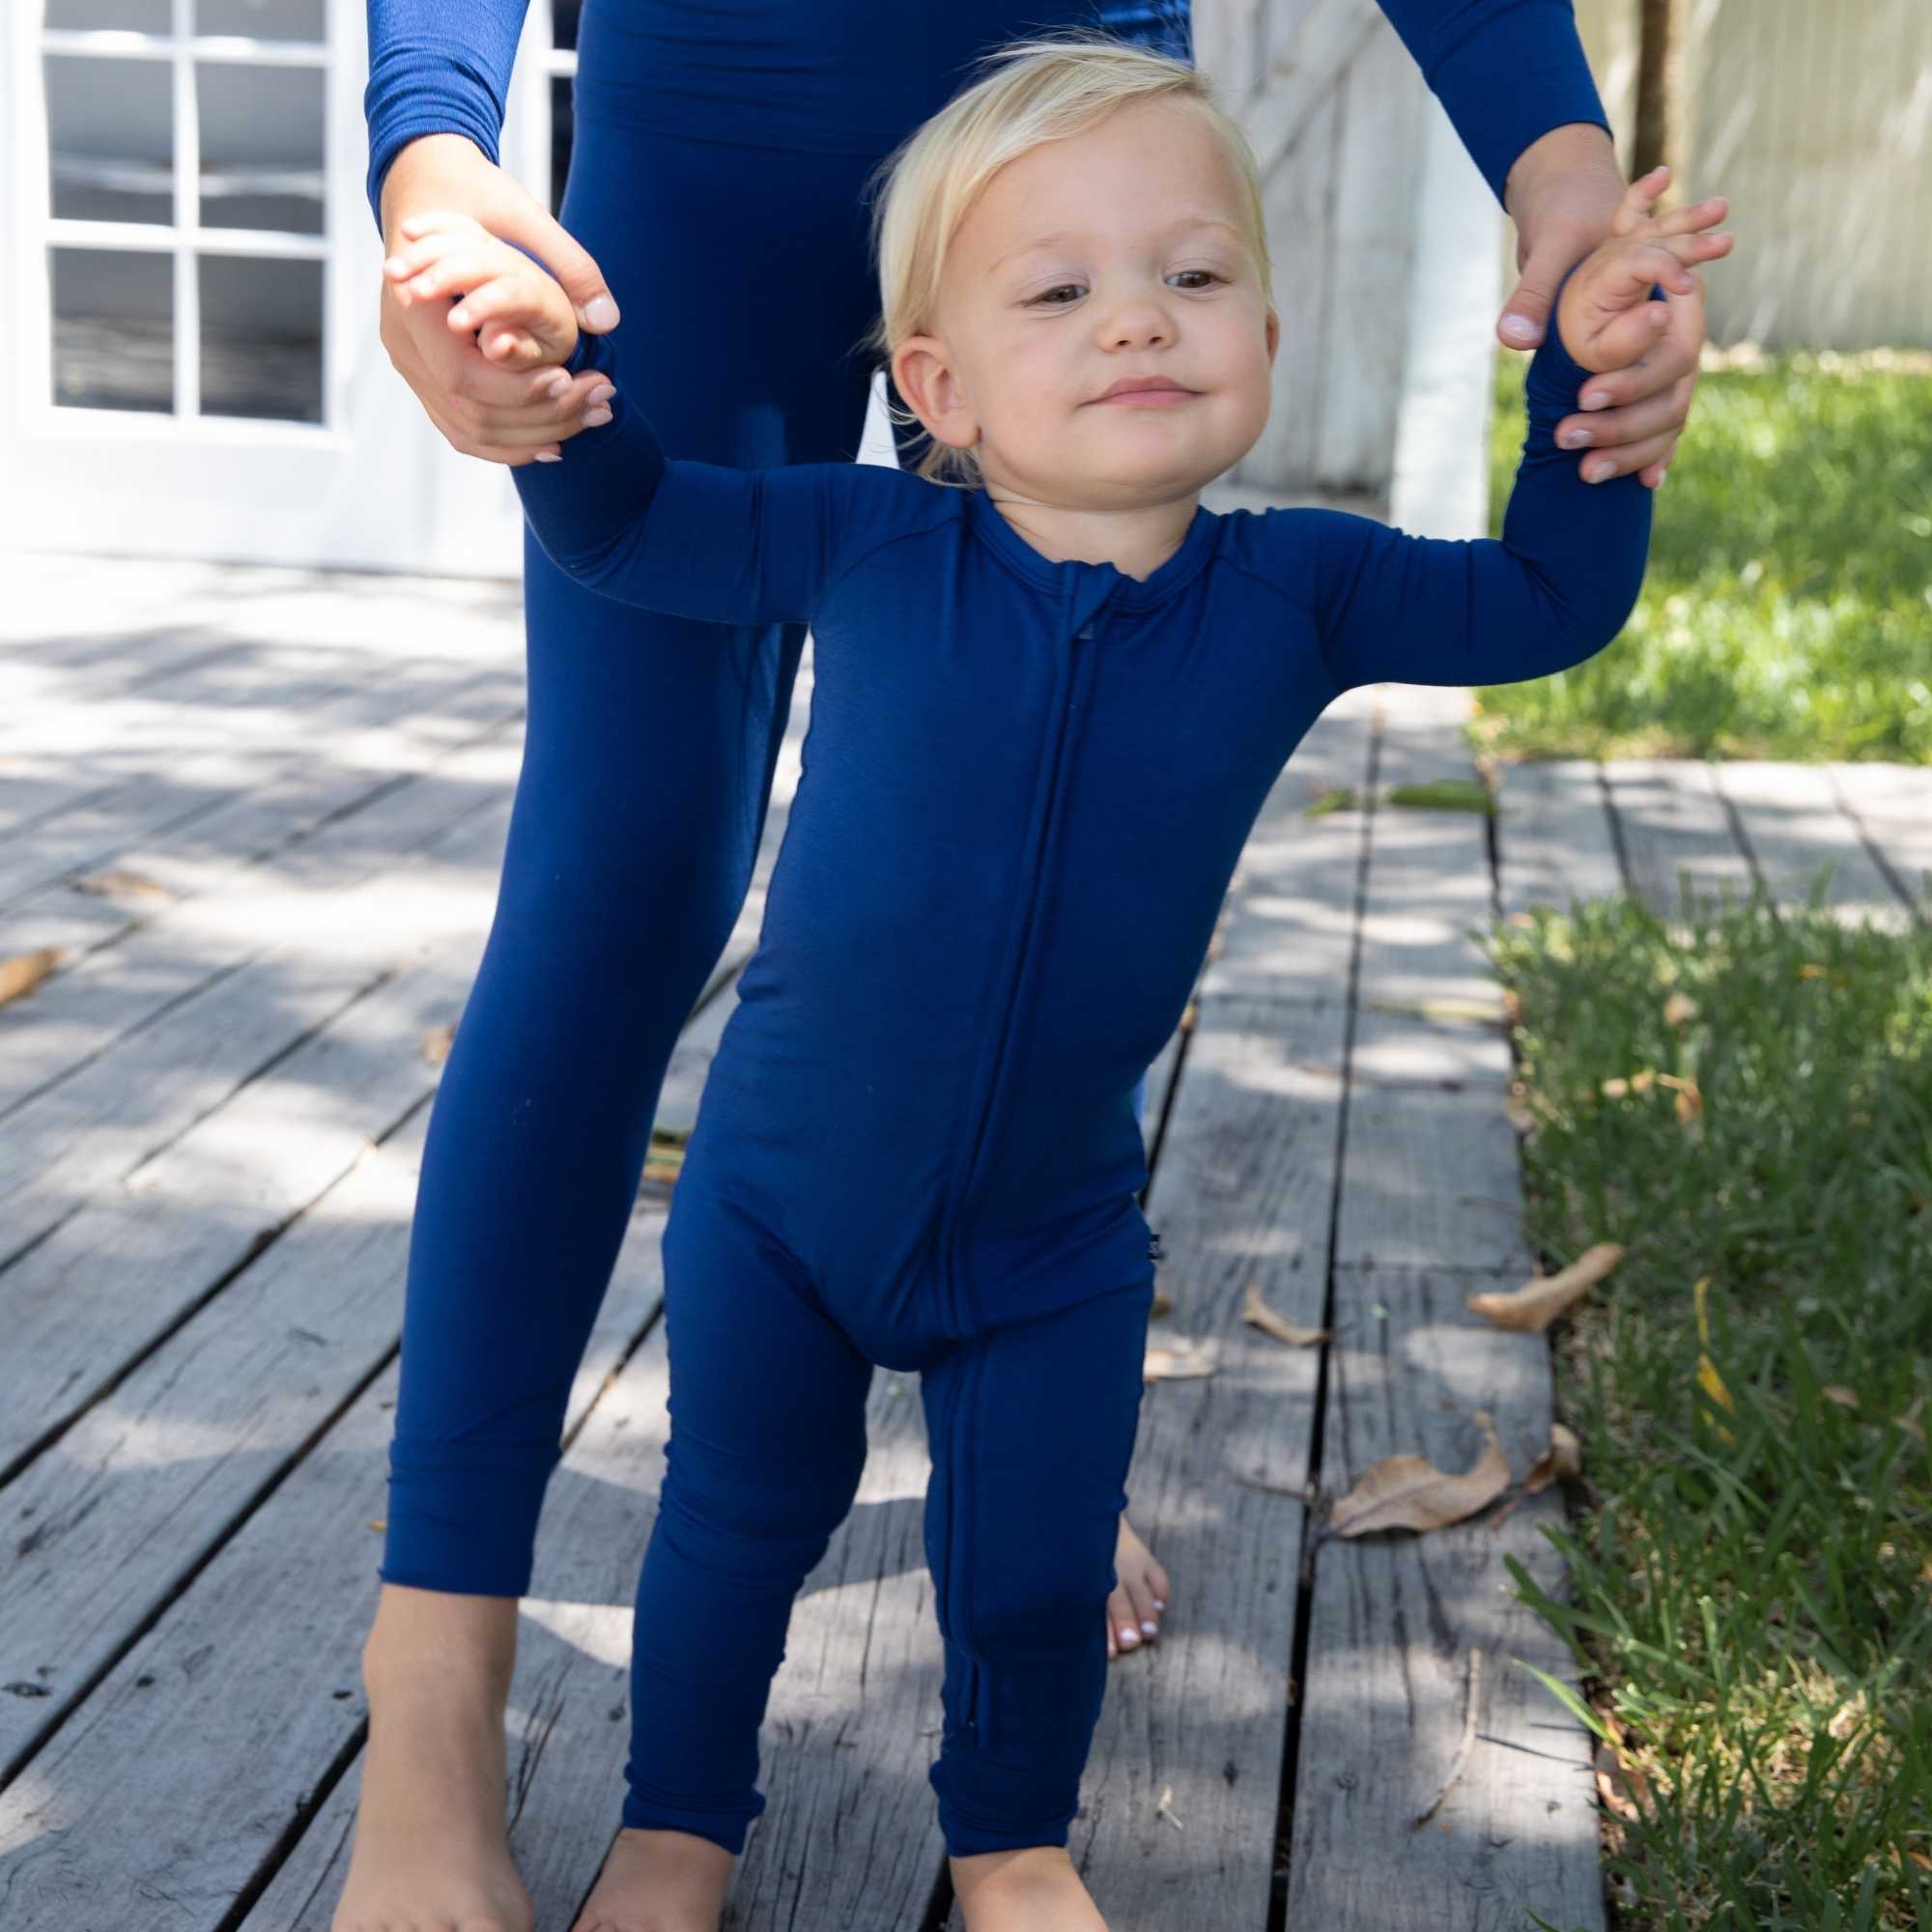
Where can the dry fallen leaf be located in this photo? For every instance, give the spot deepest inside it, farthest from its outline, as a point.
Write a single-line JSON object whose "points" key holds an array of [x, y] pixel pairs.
{"points": [[379, 1522], [436, 1043], [26, 971], [1512, 1005], [1836, 1392], [1563, 1458], [1409, 1493], [1178, 1361], [1537, 1303], [1257, 1311], [1680, 1009], [117, 883], [1708, 1377]]}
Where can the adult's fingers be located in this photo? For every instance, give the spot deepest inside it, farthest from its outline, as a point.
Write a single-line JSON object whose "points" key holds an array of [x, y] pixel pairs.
{"points": [[1601, 466], [1662, 415]]}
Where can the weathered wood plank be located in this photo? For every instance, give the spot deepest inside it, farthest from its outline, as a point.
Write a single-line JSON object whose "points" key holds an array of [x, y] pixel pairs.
{"points": [[90, 1569], [1288, 928], [1423, 731], [1795, 827], [1675, 833], [1553, 835], [273, 1145], [1430, 1174], [144, 955], [1892, 804], [93, 1129], [171, 784], [272, 1621], [1393, 1621], [1428, 894]]}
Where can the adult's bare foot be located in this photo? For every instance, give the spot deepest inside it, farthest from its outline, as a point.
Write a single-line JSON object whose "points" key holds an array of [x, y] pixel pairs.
{"points": [[429, 1845], [1133, 1610], [658, 1882], [1036, 1890]]}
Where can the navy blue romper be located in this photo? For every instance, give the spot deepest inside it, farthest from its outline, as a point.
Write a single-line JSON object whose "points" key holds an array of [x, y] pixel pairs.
{"points": [[720, 153], [1025, 789]]}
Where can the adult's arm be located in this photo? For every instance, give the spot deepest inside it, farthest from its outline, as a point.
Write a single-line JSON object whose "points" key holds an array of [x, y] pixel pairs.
{"points": [[438, 80], [1506, 72], [1513, 78], [436, 66]]}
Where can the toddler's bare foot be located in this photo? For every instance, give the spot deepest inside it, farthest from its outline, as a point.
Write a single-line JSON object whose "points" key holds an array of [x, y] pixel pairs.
{"points": [[1133, 1610], [1031, 1891], [429, 1845], [658, 1882]]}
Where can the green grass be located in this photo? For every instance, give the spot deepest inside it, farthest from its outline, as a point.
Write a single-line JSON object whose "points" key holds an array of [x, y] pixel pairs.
{"points": [[1751, 1584], [1787, 612]]}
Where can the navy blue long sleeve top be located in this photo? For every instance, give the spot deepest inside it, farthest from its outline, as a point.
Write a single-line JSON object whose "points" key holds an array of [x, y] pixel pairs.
{"points": [[1026, 786], [832, 77]]}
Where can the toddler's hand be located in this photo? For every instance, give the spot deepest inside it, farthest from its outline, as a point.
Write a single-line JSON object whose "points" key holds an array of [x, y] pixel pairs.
{"points": [[1606, 315], [517, 310]]}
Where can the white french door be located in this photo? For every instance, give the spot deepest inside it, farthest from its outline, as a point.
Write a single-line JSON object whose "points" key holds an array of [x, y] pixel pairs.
{"points": [[190, 363]]}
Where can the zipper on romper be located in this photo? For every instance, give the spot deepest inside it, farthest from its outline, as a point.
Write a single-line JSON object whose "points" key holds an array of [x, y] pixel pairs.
{"points": [[1053, 787]]}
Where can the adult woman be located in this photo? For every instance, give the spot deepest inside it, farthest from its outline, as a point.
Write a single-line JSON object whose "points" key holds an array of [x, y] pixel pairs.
{"points": [[719, 151]]}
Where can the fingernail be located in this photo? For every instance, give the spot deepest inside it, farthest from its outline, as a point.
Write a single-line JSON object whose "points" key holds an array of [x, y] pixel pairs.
{"points": [[1597, 472], [1596, 400], [560, 386], [602, 393], [1574, 439], [1129, 1634], [548, 456], [1519, 328], [601, 312], [1149, 1629], [1161, 1602], [596, 418]]}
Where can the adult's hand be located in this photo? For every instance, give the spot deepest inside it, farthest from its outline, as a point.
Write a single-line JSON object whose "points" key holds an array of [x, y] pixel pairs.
{"points": [[484, 389], [1563, 193]]}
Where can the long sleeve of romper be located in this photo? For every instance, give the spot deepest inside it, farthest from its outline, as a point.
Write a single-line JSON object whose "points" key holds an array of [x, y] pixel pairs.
{"points": [[1506, 71], [436, 66], [701, 540], [1554, 590]]}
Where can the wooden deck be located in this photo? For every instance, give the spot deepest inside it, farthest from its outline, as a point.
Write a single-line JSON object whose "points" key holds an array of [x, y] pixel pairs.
{"points": [[291, 791]]}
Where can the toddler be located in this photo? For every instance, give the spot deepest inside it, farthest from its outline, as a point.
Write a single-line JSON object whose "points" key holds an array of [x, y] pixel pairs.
{"points": [[1052, 692]]}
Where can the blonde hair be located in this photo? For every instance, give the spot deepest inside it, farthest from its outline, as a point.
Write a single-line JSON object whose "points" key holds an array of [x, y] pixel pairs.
{"points": [[1047, 88]]}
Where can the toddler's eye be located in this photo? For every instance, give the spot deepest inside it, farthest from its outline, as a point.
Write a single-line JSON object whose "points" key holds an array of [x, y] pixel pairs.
{"points": [[1207, 275]]}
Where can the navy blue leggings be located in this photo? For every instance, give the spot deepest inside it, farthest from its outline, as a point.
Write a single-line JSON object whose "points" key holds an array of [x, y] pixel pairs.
{"points": [[742, 275]]}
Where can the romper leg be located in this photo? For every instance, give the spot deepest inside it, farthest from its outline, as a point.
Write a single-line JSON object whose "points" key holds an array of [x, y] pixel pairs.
{"points": [[767, 1444], [1031, 1427]]}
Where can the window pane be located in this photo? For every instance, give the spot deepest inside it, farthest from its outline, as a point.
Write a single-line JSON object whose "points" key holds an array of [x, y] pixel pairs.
{"points": [[261, 146], [263, 19], [113, 328], [563, 23], [140, 17], [110, 128], [261, 338]]}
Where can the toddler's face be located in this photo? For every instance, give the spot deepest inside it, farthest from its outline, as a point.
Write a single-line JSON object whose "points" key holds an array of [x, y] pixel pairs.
{"points": [[1115, 254]]}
